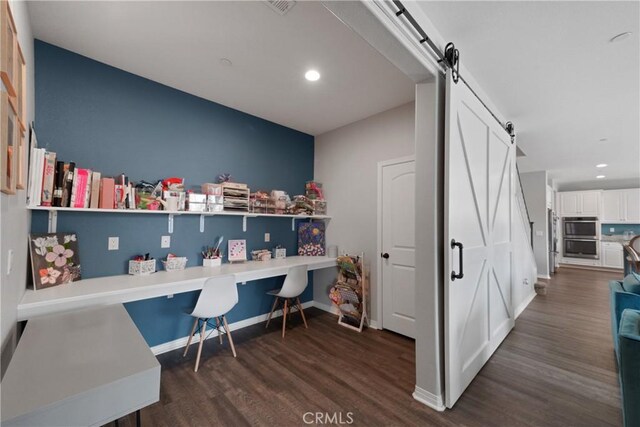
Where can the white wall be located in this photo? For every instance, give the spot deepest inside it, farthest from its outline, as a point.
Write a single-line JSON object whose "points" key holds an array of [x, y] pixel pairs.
{"points": [[15, 220], [535, 193], [346, 162]]}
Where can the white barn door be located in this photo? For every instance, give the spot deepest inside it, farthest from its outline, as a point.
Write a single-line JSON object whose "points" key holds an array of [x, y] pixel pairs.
{"points": [[479, 198]]}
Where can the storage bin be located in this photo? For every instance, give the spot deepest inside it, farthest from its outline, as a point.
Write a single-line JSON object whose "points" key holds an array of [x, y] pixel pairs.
{"points": [[175, 264], [212, 262], [142, 268]]}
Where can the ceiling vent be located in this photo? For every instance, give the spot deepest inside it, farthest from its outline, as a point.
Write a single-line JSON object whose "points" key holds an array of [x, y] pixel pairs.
{"points": [[281, 7]]}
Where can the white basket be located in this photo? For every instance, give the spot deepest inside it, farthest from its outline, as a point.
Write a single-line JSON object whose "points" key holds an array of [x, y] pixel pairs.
{"points": [[175, 264], [142, 268]]}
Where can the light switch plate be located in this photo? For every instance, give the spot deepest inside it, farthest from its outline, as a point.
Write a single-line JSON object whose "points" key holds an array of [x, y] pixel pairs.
{"points": [[612, 230], [267, 237], [114, 243], [165, 242], [9, 261], [539, 233]]}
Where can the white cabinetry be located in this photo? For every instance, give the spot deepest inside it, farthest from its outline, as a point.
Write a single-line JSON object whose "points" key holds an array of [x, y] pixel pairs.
{"points": [[621, 206], [612, 255], [580, 203]]}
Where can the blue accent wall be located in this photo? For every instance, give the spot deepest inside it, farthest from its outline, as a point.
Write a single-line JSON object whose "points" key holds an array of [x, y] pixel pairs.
{"points": [[112, 121]]}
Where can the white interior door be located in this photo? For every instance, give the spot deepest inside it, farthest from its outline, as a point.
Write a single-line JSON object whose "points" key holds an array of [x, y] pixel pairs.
{"points": [[398, 247], [479, 198]]}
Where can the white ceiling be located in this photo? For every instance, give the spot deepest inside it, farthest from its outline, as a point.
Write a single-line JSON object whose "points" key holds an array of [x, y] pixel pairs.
{"points": [[180, 44], [549, 68]]}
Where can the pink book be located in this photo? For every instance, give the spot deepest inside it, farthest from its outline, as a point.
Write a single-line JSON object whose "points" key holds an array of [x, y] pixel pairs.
{"points": [[80, 182]]}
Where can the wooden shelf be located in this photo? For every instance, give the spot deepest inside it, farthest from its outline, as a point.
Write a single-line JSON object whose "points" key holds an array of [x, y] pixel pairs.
{"points": [[53, 211]]}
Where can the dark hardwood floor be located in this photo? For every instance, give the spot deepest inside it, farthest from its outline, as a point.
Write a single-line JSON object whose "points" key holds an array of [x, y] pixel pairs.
{"points": [[556, 368]]}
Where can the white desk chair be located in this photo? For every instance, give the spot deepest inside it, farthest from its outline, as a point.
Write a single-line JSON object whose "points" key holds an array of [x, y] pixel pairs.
{"points": [[218, 296], [294, 284]]}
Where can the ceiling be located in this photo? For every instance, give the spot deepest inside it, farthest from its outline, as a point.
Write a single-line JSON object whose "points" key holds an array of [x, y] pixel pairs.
{"points": [[180, 44], [549, 67]]}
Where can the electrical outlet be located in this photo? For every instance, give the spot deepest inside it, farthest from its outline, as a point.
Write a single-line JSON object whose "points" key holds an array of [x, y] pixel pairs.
{"points": [[267, 237], [612, 230], [165, 242], [114, 243]]}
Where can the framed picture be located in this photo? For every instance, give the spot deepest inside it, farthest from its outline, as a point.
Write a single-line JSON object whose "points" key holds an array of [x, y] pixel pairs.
{"points": [[54, 259], [237, 250], [8, 145], [311, 241], [8, 41]]}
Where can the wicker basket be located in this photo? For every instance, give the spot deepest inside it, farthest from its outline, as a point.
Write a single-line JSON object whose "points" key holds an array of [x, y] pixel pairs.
{"points": [[142, 268], [174, 264]]}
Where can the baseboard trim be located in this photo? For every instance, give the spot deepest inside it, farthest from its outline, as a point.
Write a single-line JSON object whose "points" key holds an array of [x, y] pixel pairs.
{"points": [[542, 276], [427, 398], [326, 307], [524, 305], [181, 342]]}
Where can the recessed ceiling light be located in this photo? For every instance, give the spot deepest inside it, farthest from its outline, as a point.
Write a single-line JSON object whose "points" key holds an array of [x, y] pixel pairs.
{"points": [[604, 139], [620, 37], [600, 176], [602, 165], [312, 75], [226, 62]]}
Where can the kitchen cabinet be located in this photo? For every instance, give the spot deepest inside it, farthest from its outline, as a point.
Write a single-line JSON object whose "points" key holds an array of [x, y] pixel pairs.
{"points": [[621, 206], [580, 203], [612, 255]]}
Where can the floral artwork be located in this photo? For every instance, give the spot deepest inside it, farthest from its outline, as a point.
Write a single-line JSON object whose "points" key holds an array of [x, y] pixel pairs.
{"points": [[311, 239], [54, 259]]}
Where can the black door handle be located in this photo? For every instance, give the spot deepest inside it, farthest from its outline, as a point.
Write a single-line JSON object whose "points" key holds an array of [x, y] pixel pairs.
{"points": [[385, 255], [460, 275]]}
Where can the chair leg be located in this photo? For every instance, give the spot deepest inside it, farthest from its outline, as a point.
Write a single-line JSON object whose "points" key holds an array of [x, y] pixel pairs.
{"points": [[284, 315], [218, 330], [193, 331], [203, 330], [273, 307], [302, 313], [226, 328]]}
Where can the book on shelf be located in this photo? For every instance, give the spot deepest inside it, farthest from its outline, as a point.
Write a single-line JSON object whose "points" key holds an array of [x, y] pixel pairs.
{"points": [[69, 169], [59, 178], [79, 188], [107, 193], [95, 190], [48, 178], [35, 171]]}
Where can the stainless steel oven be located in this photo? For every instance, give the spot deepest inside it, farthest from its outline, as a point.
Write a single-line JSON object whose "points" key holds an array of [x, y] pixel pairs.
{"points": [[581, 248], [581, 228]]}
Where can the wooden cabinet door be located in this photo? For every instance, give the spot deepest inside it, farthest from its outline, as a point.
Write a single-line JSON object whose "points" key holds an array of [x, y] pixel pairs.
{"points": [[632, 205], [590, 203], [612, 255], [568, 204], [612, 206]]}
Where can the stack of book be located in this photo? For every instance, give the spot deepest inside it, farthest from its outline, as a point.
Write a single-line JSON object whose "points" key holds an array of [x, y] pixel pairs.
{"points": [[58, 184]]}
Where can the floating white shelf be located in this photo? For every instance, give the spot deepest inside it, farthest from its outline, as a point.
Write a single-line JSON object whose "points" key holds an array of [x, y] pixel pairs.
{"points": [[53, 215]]}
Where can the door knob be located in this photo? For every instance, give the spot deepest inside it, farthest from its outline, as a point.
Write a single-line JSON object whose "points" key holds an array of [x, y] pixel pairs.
{"points": [[385, 255]]}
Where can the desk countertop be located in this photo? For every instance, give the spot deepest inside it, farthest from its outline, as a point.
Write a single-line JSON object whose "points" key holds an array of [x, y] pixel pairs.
{"points": [[86, 367], [126, 288]]}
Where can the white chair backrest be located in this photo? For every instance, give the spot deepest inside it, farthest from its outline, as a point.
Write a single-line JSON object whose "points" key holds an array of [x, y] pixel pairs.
{"points": [[295, 283], [218, 296]]}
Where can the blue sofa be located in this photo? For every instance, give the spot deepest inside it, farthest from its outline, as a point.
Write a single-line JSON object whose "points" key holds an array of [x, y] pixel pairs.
{"points": [[623, 295], [629, 366]]}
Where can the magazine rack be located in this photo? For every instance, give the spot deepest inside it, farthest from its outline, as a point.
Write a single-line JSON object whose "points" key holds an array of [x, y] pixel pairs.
{"points": [[349, 293]]}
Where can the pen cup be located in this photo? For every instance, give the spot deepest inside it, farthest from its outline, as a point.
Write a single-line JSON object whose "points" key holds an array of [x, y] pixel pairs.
{"points": [[212, 262]]}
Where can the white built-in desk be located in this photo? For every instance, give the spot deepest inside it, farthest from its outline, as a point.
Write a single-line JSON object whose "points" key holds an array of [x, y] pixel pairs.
{"points": [[83, 368], [125, 288]]}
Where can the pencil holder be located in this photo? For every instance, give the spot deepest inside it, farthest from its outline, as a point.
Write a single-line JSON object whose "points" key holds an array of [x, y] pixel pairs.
{"points": [[212, 262]]}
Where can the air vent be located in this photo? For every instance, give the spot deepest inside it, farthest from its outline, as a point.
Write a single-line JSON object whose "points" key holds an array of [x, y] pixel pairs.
{"points": [[281, 7]]}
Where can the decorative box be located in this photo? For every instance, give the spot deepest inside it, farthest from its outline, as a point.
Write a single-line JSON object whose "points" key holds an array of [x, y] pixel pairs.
{"points": [[319, 207], [215, 203], [212, 262], [212, 189], [175, 263], [142, 268], [261, 255], [279, 253], [179, 194]]}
